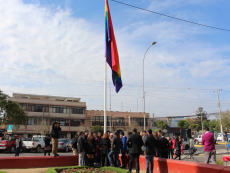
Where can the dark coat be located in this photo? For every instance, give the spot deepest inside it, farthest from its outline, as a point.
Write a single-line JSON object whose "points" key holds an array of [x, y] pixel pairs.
{"points": [[105, 146], [85, 137], [164, 144], [135, 143], [116, 144], [91, 146], [81, 144], [150, 144], [178, 152], [74, 142], [47, 142], [55, 131], [144, 139]]}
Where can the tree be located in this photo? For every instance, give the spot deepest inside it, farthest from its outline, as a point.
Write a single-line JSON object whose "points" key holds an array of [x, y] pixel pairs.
{"points": [[205, 124], [191, 121], [225, 120], [41, 126], [183, 124], [97, 128], [13, 112], [82, 126], [162, 124], [204, 117], [134, 125], [195, 127]]}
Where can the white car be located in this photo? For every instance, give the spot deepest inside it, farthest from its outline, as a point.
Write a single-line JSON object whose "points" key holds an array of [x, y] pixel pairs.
{"points": [[198, 139], [37, 143]]}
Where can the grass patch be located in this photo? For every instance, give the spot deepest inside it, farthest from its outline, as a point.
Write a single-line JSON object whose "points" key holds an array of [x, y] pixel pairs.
{"points": [[220, 162], [2, 172], [70, 168]]}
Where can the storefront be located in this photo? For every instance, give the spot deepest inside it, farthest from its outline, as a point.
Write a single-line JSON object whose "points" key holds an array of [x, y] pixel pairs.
{"points": [[176, 131]]}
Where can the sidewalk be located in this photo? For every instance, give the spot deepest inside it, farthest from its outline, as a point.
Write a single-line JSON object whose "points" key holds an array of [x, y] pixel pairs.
{"points": [[29, 170]]}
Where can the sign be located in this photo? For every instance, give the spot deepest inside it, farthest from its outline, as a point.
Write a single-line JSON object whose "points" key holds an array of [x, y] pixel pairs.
{"points": [[10, 128], [173, 121]]}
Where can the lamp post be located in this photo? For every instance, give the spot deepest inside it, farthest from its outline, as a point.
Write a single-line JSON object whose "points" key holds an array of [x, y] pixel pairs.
{"points": [[143, 81], [137, 102], [200, 108]]}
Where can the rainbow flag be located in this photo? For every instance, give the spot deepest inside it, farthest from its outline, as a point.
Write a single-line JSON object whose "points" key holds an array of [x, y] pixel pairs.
{"points": [[111, 52]]}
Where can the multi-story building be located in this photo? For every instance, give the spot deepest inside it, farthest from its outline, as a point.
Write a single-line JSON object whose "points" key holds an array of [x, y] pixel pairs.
{"points": [[43, 110], [121, 121]]}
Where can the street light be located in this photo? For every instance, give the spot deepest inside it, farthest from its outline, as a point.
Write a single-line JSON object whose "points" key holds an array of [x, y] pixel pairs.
{"points": [[200, 108], [143, 80], [137, 102]]}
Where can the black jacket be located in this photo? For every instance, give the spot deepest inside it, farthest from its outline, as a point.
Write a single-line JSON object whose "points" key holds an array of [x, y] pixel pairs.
{"points": [[150, 144], [55, 131], [74, 142], [47, 142], [135, 143], [91, 146], [164, 144], [106, 145], [116, 144], [81, 144], [85, 137]]}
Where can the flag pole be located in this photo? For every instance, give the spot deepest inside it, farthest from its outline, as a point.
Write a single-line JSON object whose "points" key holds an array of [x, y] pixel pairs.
{"points": [[105, 95]]}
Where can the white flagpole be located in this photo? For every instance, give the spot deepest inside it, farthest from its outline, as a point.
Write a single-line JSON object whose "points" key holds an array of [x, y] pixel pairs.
{"points": [[105, 96]]}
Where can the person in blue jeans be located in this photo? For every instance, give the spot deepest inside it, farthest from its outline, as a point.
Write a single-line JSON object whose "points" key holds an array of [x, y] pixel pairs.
{"points": [[18, 145], [123, 148], [115, 149], [150, 144]]}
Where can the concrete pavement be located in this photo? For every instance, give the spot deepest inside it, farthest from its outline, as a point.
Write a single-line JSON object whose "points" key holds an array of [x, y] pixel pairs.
{"points": [[33, 170]]}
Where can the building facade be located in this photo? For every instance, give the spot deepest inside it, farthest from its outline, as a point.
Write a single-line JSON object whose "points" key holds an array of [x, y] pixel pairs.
{"points": [[44, 110]]}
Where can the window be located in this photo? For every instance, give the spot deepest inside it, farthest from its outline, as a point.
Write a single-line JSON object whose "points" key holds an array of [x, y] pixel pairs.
{"points": [[140, 121], [38, 121], [99, 120], [59, 109], [23, 105], [77, 122], [78, 110], [119, 121], [38, 108], [63, 122]]}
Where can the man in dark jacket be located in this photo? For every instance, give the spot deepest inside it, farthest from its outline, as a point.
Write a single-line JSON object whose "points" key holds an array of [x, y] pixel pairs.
{"points": [[134, 143], [164, 146], [55, 135], [81, 148], [144, 137], [150, 144], [115, 149], [74, 145], [85, 139]]}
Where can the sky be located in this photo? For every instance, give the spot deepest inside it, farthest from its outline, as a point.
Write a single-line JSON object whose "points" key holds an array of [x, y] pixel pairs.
{"points": [[57, 47]]}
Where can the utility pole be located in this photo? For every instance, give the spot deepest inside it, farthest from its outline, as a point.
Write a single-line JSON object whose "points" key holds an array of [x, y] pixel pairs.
{"points": [[221, 127]]}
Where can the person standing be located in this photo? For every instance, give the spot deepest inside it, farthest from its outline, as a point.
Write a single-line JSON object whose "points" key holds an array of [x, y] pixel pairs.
{"points": [[123, 148], [81, 148], [105, 149], [91, 148], [115, 149], [144, 139], [164, 146], [191, 146], [150, 144], [225, 136], [170, 152], [55, 135], [98, 148], [178, 152], [74, 145], [159, 134], [134, 143], [85, 139], [209, 146], [47, 145], [18, 145], [158, 145]]}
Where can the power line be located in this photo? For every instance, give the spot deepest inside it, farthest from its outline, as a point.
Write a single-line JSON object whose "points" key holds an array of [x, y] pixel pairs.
{"points": [[170, 16]]}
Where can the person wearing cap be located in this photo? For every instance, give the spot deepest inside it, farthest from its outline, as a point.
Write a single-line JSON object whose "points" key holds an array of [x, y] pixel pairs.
{"points": [[55, 135]]}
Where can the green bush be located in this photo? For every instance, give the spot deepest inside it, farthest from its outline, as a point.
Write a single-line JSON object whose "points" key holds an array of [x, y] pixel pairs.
{"points": [[220, 162]]}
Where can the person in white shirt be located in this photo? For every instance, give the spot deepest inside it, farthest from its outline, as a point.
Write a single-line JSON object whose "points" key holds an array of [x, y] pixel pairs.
{"points": [[18, 145]]}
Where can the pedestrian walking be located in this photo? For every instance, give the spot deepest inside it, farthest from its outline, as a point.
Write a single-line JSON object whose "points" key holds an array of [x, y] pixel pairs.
{"points": [[158, 145], [115, 149], [150, 144], [171, 151], [105, 149], [91, 148], [55, 135], [209, 146], [81, 148], [19, 143], [74, 145], [178, 152], [164, 146], [98, 148], [123, 148], [134, 143], [47, 145]]}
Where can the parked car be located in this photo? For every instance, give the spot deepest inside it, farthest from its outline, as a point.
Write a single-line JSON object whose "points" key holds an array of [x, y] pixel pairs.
{"points": [[185, 144], [37, 143], [198, 139], [64, 144], [8, 142]]}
